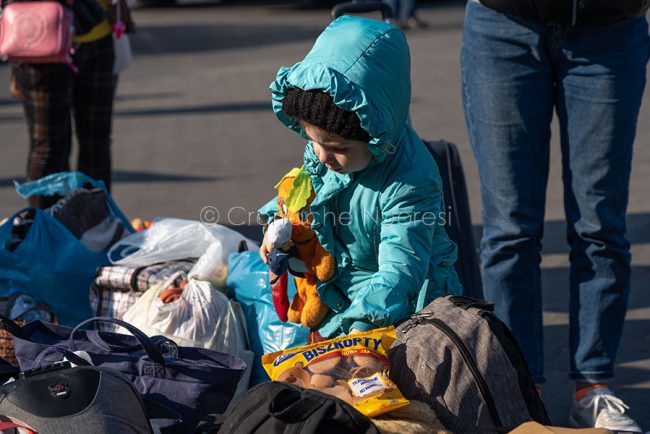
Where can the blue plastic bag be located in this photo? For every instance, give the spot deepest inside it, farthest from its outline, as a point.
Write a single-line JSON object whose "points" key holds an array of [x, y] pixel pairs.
{"points": [[50, 263], [248, 282]]}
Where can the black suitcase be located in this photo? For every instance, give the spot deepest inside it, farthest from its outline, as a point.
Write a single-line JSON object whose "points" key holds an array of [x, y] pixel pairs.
{"points": [[459, 225]]}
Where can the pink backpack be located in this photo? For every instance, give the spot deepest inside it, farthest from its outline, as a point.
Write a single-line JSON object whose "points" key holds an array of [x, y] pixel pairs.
{"points": [[37, 32]]}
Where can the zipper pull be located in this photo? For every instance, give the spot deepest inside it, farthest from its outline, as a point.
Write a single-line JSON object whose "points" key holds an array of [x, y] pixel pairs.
{"points": [[416, 320]]}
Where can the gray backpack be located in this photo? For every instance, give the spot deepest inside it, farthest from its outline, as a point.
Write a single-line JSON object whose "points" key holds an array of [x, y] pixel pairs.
{"points": [[459, 358]]}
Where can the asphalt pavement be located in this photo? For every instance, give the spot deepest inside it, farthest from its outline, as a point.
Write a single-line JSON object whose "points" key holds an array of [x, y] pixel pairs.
{"points": [[193, 128]]}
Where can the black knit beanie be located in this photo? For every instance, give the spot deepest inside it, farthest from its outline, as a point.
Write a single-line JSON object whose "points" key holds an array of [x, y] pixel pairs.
{"points": [[318, 108]]}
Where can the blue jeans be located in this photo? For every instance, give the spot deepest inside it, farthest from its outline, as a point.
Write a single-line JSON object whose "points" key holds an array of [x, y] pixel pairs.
{"points": [[403, 9], [514, 75]]}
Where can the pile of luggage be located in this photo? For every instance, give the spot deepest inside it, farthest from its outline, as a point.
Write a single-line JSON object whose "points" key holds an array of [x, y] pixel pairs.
{"points": [[163, 331]]}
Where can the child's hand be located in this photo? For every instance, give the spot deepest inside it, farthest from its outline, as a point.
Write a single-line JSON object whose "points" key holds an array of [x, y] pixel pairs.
{"points": [[264, 252], [355, 331]]}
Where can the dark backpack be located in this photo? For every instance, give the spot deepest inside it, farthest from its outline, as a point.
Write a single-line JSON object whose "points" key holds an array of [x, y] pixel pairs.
{"points": [[60, 400], [459, 358], [275, 408]]}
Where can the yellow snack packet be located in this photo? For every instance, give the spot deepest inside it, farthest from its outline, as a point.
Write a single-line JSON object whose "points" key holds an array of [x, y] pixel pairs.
{"points": [[353, 368]]}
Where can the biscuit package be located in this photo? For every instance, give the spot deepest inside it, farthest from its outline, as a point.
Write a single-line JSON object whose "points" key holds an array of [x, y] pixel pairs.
{"points": [[353, 368]]}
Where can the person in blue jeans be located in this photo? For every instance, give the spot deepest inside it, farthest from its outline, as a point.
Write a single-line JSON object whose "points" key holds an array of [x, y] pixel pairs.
{"points": [[521, 61]]}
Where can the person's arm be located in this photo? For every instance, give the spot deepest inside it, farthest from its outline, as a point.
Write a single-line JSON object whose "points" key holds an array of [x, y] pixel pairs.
{"points": [[407, 230]]}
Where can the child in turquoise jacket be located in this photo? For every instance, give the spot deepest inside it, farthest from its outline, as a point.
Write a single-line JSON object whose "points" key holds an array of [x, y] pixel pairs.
{"points": [[378, 206]]}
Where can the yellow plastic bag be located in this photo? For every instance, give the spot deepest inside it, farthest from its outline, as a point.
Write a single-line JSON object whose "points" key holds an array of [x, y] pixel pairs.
{"points": [[353, 368]]}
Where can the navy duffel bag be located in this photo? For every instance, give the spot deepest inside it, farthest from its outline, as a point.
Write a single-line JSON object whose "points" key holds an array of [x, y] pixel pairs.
{"points": [[191, 381]]}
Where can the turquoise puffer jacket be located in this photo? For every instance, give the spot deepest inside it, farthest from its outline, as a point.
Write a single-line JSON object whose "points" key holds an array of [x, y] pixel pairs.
{"points": [[385, 224]]}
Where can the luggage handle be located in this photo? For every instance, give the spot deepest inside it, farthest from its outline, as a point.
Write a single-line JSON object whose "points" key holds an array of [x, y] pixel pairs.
{"points": [[466, 302], [69, 355], [95, 337], [162, 343], [363, 7], [149, 347]]}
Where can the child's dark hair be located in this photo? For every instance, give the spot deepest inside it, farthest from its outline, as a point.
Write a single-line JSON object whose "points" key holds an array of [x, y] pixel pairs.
{"points": [[317, 108]]}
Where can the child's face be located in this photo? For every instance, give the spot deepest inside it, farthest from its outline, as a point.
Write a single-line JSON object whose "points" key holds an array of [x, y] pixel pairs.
{"points": [[336, 153]]}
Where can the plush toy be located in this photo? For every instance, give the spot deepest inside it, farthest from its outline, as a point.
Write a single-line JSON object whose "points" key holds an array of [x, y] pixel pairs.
{"points": [[281, 249], [297, 251]]}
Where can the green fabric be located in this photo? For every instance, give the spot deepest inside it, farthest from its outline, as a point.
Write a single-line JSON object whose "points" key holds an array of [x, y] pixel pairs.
{"points": [[377, 222]]}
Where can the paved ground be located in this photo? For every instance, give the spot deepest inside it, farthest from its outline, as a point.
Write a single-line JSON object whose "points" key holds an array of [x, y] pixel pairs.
{"points": [[193, 128]]}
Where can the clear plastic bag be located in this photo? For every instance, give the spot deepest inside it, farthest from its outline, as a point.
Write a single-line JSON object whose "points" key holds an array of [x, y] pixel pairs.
{"points": [[211, 266], [171, 239], [201, 317]]}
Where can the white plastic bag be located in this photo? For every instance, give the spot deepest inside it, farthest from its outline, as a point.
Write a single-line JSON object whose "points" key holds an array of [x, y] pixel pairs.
{"points": [[123, 54], [170, 239], [121, 43], [202, 317], [208, 266]]}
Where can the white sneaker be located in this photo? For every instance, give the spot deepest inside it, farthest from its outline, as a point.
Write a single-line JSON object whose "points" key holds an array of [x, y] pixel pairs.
{"points": [[601, 409]]}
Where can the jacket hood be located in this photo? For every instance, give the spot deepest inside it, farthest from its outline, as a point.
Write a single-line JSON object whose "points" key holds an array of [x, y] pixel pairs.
{"points": [[364, 64]]}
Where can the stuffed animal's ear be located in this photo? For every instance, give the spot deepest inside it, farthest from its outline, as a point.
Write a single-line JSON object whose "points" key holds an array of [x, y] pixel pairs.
{"points": [[300, 193]]}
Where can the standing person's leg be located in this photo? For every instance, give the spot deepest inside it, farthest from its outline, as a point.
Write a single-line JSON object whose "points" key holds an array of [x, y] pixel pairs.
{"points": [[412, 18], [508, 100], [93, 108], [46, 92], [406, 10], [395, 6], [602, 81]]}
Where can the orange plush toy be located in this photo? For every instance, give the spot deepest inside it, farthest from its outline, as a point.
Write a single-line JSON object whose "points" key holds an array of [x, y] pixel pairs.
{"points": [[312, 261]]}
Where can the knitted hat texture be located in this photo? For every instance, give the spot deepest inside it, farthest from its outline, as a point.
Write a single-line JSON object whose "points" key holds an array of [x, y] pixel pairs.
{"points": [[318, 108]]}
